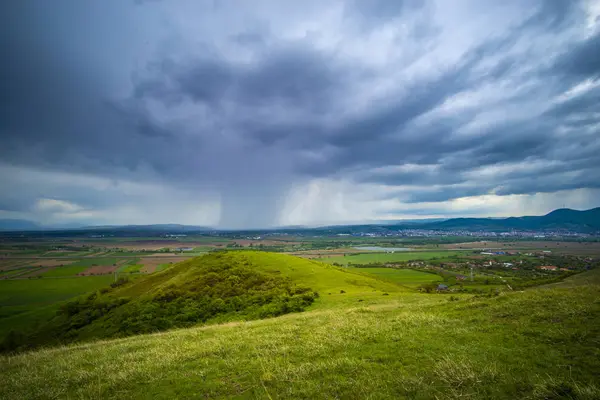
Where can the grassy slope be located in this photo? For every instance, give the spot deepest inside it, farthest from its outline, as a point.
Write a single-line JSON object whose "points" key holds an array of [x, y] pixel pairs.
{"points": [[541, 343], [94, 321], [323, 278], [316, 275]]}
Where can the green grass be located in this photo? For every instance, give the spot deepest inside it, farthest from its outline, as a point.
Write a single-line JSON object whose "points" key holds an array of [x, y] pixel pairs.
{"points": [[130, 269], [328, 280], [404, 277], [16, 271], [541, 343], [161, 267], [70, 270], [413, 346], [367, 258], [25, 302], [202, 249], [221, 286]]}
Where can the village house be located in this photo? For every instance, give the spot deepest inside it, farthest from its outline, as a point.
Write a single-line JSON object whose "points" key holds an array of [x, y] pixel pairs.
{"points": [[548, 268]]}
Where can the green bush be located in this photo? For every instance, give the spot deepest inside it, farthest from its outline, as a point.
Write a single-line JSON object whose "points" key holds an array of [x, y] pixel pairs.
{"points": [[216, 291]]}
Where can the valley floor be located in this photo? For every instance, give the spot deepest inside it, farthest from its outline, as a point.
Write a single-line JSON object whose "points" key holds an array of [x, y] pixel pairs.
{"points": [[538, 344]]}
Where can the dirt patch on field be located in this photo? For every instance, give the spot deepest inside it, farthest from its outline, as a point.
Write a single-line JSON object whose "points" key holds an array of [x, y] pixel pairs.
{"points": [[99, 270], [151, 263], [49, 263], [163, 255], [8, 264], [157, 244]]}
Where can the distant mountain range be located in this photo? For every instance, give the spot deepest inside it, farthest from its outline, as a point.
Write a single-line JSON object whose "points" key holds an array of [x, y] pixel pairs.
{"points": [[561, 219], [18, 225], [154, 227]]}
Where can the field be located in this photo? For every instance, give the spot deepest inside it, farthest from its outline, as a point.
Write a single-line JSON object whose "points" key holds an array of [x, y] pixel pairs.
{"points": [[64, 271], [404, 277], [408, 346], [151, 264], [374, 257], [24, 302]]}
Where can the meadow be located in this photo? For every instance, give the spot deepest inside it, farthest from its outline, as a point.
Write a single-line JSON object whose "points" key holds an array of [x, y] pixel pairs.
{"points": [[357, 333], [406, 346], [405, 277]]}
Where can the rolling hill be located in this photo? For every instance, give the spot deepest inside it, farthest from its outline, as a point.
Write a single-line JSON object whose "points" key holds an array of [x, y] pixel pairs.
{"points": [[218, 287], [537, 344]]}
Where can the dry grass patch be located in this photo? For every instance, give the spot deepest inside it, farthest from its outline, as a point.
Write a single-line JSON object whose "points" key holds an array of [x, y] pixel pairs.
{"points": [[151, 263], [99, 270]]}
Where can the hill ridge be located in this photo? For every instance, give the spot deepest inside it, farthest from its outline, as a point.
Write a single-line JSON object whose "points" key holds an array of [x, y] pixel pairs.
{"points": [[217, 287]]}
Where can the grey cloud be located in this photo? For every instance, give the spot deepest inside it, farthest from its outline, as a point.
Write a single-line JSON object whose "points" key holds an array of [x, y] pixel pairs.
{"points": [[380, 11], [583, 59], [252, 112]]}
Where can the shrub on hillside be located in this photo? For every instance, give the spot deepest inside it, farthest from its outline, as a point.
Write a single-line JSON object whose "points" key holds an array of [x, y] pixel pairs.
{"points": [[218, 290]]}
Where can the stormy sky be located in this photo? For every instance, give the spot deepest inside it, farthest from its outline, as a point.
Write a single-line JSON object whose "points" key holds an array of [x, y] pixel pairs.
{"points": [[245, 114]]}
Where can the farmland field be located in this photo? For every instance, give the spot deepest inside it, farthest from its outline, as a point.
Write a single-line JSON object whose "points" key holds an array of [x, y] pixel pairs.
{"points": [[69, 270], [89, 262], [36, 292], [404, 277], [131, 268], [25, 301], [367, 258]]}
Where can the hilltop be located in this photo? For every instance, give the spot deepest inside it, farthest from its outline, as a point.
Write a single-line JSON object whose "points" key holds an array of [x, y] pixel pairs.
{"points": [[217, 287]]}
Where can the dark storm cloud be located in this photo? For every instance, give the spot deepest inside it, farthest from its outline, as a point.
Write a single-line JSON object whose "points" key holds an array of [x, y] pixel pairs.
{"points": [[378, 12], [583, 60], [250, 112], [294, 76]]}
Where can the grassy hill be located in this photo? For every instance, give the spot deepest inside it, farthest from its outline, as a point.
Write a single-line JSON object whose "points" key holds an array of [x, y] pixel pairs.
{"points": [[214, 288], [542, 343]]}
